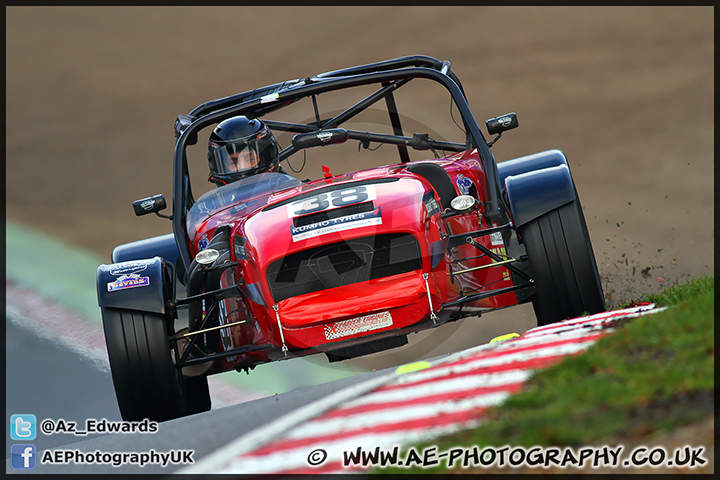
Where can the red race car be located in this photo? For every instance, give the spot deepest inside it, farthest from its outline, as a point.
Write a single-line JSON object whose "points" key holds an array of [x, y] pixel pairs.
{"points": [[267, 265]]}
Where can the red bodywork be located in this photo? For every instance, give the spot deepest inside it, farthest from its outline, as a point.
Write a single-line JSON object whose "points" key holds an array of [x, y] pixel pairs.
{"points": [[322, 319]]}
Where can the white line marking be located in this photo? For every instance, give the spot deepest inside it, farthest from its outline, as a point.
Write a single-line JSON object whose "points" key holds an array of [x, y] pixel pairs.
{"points": [[443, 385], [363, 420], [595, 320], [505, 358]]}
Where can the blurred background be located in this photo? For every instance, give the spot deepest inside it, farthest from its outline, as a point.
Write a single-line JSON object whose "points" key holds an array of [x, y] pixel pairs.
{"points": [[626, 92]]}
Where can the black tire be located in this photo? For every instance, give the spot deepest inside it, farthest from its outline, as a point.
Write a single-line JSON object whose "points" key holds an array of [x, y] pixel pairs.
{"points": [[562, 264], [147, 384], [196, 394]]}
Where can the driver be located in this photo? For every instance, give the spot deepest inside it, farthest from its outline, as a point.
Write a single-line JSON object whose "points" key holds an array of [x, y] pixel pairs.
{"points": [[240, 147]]}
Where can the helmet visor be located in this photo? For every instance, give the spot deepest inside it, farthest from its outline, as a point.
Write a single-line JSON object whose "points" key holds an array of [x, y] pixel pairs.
{"points": [[243, 155]]}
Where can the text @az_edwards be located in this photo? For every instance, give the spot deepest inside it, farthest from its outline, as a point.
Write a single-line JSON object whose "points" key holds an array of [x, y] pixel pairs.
{"points": [[539, 457], [92, 425]]}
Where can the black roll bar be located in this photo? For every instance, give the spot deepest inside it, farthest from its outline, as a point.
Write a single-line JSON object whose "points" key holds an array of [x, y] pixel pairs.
{"points": [[415, 142], [263, 100]]}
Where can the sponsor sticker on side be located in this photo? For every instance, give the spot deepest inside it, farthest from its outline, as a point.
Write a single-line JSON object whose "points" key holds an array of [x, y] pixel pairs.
{"points": [[464, 184], [128, 281], [367, 323], [339, 224], [126, 268]]}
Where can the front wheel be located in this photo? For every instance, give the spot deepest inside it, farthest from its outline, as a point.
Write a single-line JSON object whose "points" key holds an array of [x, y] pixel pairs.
{"points": [[196, 394], [147, 384], [562, 264]]}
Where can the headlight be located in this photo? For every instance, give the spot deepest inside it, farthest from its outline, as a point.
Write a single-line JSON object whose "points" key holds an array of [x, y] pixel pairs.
{"points": [[207, 256], [462, 202]]}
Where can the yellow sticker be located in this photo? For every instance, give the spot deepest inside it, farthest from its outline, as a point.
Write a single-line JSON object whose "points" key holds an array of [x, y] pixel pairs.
{"points": [[502, 338], [412, 367]]}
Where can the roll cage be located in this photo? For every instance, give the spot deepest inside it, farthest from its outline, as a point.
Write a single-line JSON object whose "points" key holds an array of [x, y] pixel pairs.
{"points": [[389, 74]]}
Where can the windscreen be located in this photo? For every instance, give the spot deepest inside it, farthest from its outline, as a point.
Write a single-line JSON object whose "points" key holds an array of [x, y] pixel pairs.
{"points": [[236, 193]]}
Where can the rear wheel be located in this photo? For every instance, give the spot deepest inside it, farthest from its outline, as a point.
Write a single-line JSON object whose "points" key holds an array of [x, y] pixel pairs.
{"points": [[562, 264], [147, 384]]}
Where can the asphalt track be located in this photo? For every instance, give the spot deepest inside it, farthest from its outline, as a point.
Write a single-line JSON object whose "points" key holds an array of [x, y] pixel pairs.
{"points": [[37, 367]]}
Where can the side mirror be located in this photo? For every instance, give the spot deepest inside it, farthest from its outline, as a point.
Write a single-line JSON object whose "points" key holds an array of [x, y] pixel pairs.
{"points": [[183, 121], [502, 123], [149, 205], [320, 138]]}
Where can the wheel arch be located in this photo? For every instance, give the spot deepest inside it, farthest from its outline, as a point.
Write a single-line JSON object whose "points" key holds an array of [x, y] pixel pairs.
{"points": [[161, 246], [534, 193], [528, 163], [134, 285]]}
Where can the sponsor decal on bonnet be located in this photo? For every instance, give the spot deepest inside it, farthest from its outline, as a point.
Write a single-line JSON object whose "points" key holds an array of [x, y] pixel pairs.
{"points": [[339, 224]]}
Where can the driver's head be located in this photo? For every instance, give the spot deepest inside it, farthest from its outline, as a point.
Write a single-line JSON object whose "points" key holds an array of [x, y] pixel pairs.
{"points": [[239, 147], [242, 160]]}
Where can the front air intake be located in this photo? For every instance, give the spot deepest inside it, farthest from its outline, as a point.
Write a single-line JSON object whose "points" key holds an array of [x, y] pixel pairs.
{"points": [[343, 263]]}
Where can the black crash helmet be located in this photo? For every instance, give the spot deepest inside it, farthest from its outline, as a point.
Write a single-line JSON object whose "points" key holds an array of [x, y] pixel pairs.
{"points": [[239, 147]]}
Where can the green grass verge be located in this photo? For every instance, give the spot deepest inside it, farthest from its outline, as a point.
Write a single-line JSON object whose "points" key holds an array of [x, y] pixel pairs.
{"points": [[655, 373]]}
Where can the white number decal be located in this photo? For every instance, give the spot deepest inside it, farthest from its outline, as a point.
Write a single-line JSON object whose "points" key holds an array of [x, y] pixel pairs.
{"points": [[330, 200]]}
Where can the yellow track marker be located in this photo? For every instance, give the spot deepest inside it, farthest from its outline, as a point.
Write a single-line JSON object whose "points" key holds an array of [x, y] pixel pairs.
{"points": [[502, 338], [412, 367]]}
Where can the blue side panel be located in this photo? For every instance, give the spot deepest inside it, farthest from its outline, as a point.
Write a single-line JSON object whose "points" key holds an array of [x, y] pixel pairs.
{"points": [[163, 246], [538, 192], [134, 285], [536, 161]]}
